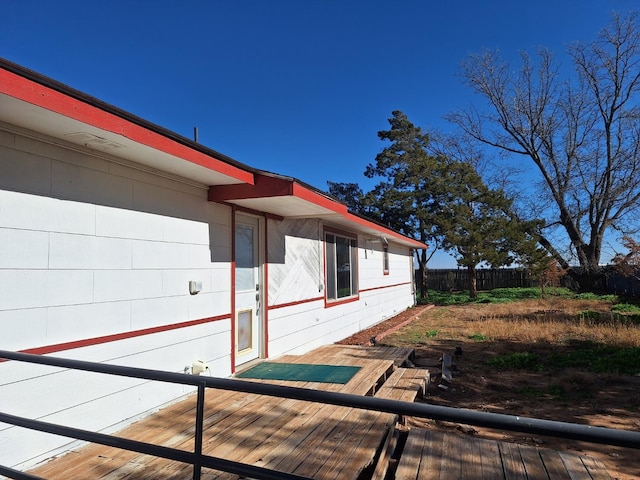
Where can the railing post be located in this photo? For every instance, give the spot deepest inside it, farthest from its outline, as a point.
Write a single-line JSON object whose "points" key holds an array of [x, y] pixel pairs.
{"points": [[197, 466]]}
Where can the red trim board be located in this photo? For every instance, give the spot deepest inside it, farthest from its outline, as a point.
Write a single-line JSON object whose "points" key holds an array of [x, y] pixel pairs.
{"points": [[50, 99], [88, 342]]}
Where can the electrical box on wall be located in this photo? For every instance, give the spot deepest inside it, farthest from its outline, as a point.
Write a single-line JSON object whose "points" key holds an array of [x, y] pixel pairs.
{"points": [[195, 286]]}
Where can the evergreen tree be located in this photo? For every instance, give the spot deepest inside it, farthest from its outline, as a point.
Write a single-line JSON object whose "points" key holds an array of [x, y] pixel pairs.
{"points": [[438, 201]]}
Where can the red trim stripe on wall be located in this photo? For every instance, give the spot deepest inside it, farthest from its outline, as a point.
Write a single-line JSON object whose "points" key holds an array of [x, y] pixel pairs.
{"points": [[88, 342], [320, 299], [385, 286]]}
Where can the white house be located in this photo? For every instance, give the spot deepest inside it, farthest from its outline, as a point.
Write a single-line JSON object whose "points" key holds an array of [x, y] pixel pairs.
{"points": [[122, 242]]}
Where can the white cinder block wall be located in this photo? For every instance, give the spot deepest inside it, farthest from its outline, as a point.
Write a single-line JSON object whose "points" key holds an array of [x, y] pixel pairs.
{"points": [[91, 248]]}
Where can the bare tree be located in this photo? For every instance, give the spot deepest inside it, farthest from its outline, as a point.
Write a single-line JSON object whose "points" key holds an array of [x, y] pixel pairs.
{"points": [[582, 134]]}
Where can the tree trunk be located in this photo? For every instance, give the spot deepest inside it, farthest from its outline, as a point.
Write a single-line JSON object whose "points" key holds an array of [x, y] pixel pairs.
{"points": [[593, 281], [423, 273], [473, 293]]}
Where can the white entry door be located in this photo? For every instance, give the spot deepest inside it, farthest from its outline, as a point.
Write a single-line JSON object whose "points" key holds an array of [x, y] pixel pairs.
{"points": [[248, 289]]}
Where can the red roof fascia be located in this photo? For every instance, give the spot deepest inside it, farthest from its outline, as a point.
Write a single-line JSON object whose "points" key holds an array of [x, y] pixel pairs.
{"points": [[42, 96], [384, 230]]}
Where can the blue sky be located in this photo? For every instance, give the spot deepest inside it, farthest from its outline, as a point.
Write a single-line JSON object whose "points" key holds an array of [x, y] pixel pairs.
{"points": [[296, 87]]}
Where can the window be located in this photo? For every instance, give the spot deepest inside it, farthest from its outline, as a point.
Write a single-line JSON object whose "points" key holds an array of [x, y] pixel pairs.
{"points": [[341, 259], [385, 259]]}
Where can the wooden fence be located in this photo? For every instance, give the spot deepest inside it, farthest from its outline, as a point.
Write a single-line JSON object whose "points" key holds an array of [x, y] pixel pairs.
{"points": [[448, 280]]}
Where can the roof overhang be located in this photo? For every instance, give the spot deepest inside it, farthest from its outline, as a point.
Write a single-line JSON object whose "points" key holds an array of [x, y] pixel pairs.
{"points": [[30, 102], [88, 122], [289, 198]]}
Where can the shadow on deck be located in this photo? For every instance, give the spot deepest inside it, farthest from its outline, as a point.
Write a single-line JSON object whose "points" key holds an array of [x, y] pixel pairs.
{"points": [[317, 440]]}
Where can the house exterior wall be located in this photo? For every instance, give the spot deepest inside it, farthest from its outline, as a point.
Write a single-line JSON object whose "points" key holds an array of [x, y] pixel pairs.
{"points": [[97, 254], [95, 262], [299, 318]]}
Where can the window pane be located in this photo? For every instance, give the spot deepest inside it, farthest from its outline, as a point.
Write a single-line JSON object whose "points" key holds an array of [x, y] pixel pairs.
{"points": [[385, 258], [341, 263], [354, 267], [331, 266], [343, 260]]}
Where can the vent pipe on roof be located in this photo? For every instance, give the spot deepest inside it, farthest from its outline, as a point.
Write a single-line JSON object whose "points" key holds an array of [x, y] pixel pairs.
{"points": [[195, 134]]}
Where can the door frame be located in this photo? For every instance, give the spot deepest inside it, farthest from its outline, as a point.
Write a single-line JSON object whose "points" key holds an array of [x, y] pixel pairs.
{"points": [[258, 320]]}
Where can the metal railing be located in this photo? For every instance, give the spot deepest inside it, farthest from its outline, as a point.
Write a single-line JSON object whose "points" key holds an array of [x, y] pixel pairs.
{"points": [[608, 436]]}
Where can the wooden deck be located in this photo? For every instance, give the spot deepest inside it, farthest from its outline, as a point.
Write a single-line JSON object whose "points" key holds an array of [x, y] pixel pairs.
{"points": [[313, 440], [433, 455]]}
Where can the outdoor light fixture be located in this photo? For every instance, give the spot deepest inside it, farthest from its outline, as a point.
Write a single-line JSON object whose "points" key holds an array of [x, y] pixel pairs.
{"points": [[195, 286]]}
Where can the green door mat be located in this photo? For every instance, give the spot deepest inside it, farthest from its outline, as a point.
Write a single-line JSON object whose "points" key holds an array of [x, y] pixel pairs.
{"points": [[300, 372]]}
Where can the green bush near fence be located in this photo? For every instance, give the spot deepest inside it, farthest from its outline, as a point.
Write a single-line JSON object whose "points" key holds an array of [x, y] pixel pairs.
{"points": [[504, 295]]}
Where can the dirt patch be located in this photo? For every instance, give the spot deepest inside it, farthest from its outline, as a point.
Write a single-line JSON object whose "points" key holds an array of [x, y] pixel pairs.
{"points": [[377, 333], [569, 395]]}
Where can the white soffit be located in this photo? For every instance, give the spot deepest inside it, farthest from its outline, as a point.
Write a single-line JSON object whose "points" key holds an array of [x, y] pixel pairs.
{"points": [[31, 117]]}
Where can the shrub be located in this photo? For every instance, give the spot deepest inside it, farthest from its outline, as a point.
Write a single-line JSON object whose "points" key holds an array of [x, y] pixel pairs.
{"points": [[625, 308], [478, 337], [518, 361]]}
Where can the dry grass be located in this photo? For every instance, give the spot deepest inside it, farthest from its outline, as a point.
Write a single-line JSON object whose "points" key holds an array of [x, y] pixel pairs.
{"points": [[554, 320], [571, 360]]}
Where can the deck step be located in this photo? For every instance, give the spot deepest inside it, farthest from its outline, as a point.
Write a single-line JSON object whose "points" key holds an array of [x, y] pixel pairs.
{"points": [[405, 384]]}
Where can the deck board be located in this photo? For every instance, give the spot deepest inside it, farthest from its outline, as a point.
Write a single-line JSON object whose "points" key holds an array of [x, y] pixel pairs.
{"points": [[430, 454]]}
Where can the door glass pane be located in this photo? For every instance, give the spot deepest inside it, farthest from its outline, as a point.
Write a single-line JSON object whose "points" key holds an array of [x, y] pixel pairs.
{"points": [[245, 330], [244, 258]]}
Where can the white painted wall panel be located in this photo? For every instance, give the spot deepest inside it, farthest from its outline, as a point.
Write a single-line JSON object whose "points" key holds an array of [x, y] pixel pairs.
{"points": [[186, 231], [33, 212], [170, 203], [89, 252], [198, 256], [85, 158], [300, 328], [151, 312], [23, 249], [99, 402], [40, 288], [77, 322], [84, 185], [118, 285], [149, 255], [204, 305], [23, 328], [64, 390], [120, 223], [24, 171], [295, 260], [176, 282]]}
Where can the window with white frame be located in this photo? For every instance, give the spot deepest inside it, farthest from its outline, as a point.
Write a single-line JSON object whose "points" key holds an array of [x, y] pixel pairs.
{"points": [[341, 253]]}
